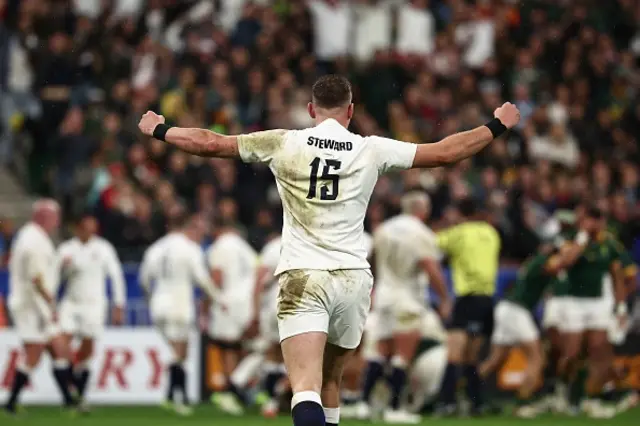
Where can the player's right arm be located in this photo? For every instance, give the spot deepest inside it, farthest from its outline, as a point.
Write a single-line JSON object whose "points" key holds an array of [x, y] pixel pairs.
{"points": [[251, 148], [568, 254], [146, 274], [201, 276], [36, 265], [465, 144], [216, 257]]}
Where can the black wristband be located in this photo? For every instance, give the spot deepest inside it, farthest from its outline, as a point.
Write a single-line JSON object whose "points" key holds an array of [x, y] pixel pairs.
{"points": [[496, 127], [161, 131]]}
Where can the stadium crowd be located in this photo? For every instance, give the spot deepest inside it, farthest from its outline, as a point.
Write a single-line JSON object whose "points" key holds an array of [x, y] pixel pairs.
{"points": [[76, 76]]}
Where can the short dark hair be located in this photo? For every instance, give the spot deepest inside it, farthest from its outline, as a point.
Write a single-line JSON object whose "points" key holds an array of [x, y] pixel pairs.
{"points": [[331, 91]]}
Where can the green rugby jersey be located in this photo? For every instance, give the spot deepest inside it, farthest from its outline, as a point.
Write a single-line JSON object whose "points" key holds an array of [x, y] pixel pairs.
{"points": [[531, 282], [587, 275]]}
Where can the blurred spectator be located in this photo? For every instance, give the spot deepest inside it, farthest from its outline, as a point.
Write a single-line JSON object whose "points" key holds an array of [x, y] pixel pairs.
{"points": [[332, 26], [416, 28], [557, 146], [373, 24]]}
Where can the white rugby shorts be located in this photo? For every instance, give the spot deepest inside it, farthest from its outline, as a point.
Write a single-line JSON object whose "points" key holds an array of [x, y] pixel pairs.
{"points": [[82, 320], [333, 302], [402, 319], [554, 312], [173, 330], [230, 321], [587, 313], [31, 326], [513, 325]]}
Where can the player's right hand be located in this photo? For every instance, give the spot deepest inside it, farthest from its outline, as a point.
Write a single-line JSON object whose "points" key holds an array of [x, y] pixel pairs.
{"points": [[508, 114], [149, 121]]}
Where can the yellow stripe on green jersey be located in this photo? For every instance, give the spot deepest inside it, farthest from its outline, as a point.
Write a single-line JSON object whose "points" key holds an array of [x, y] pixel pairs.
{"points": [[473, 249]]}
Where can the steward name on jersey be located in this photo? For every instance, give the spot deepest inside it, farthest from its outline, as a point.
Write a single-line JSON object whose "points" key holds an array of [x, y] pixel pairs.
{"points": [[329, 144]]}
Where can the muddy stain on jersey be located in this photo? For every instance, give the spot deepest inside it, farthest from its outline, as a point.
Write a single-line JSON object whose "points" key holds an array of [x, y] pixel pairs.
{"points": [[262, 145]]}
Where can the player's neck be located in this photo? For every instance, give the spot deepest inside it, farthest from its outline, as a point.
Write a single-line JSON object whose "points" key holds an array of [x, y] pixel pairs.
{"points": [[344, 122], [84, 239]]}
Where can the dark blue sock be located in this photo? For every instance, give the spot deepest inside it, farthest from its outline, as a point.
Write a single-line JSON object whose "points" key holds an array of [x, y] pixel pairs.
{"points": [[449, 385], [20, 380], [271, 381], [397, 382], [375, 371], [474, 385], [308, 413]]}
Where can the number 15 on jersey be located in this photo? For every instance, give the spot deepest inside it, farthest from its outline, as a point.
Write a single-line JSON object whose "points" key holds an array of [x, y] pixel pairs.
{"points": [[327, 176]]}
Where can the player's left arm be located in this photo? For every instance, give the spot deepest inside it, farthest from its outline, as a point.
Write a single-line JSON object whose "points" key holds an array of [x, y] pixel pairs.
{"points": [[462, 145], [146, 274], [430, 257], [114, 272]]}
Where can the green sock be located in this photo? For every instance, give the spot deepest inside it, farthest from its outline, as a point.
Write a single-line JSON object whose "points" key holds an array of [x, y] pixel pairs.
{"points": [[577, 387]]}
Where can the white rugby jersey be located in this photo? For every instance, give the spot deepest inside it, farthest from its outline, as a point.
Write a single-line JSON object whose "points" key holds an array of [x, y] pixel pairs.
{"points": [[86, 267], [325, 176], [237, 261], [270, 254], [175, 263], [400, 244], [368, 244], [33, 255]]}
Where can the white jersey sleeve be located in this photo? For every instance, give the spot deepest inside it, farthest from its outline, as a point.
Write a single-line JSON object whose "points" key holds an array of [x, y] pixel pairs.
{"points": [[113, 270], [426, 245], [261, 147], [391, 154]]}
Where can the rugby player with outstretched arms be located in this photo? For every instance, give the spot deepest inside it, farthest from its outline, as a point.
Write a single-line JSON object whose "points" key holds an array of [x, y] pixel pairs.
{"points": [[325, 176]]}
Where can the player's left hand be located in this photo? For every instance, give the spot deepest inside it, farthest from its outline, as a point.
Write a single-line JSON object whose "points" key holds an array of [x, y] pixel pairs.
{"points": [[117, 315], [149, 121]]}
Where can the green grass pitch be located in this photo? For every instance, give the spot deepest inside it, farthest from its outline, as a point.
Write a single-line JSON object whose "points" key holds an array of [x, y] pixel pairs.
{"points": [[208, 416]]}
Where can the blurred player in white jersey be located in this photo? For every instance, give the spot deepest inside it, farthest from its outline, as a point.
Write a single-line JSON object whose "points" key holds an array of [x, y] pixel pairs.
{"points": [[174, 263], [33, 279], [325, 177], [232, 263], [86, 261], [407, 260], [267, 289]]}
